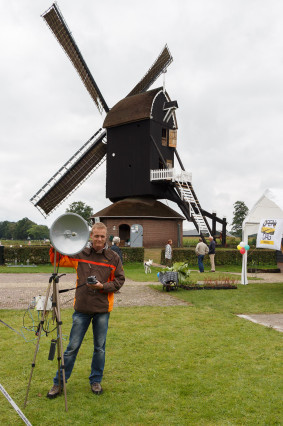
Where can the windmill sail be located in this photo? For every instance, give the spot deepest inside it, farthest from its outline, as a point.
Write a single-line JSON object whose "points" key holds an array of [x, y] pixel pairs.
{"points": [[159, 66], [93, 152], [58, 26], [77, 169]]}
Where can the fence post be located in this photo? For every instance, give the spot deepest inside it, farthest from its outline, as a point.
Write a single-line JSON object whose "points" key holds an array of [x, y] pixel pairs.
{"points": [[2, 260]]}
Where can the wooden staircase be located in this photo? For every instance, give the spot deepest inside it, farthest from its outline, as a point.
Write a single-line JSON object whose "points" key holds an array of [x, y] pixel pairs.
{"points": [[187, 195], [187, 201]]}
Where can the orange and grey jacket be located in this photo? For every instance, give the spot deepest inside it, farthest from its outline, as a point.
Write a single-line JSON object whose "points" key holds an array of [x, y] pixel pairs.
{"points": [[106, 266]]}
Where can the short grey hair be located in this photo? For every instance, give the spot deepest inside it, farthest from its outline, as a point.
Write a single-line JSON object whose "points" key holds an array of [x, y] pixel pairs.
{"points": [[116, 240]]}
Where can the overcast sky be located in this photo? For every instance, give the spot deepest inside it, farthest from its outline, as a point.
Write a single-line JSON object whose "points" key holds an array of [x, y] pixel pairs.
{"points": [[227, 76]]}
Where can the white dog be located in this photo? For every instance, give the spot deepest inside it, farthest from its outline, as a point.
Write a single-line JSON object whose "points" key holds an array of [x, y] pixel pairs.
{"points": [[147, 266]]}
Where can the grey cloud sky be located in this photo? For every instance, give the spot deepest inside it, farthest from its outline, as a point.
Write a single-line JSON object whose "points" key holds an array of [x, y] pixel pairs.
{"points": [[227, 77]]}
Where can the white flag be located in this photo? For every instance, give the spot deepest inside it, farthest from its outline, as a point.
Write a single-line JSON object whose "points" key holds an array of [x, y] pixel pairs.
{"points": [[270, 234]]}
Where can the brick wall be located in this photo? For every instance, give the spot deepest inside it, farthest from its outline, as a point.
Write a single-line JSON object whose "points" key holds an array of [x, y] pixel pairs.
{"points": [[156, 232]]}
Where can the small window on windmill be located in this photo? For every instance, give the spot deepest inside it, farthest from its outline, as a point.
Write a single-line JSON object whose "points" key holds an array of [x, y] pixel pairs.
{"points": [[169, 164], [172, 138], [164, 137]]}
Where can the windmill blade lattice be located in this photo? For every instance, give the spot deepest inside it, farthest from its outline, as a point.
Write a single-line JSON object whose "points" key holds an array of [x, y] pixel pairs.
{"points": [[77, 169], [93, 153], [162, 62], [58, 26]]}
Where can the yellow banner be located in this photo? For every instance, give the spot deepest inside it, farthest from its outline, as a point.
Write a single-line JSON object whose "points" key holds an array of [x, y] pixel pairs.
{"points": [[270, 234]]}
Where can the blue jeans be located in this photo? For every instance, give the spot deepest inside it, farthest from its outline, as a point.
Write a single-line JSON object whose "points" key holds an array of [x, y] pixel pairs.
{"points": [[79, 328], [200, 262]]}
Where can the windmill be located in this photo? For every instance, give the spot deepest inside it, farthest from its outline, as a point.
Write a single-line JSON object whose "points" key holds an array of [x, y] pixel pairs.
{"points": [[138, 141]]}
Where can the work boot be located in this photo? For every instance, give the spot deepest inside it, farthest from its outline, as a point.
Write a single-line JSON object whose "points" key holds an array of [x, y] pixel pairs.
{"points": [[54, 391], [96, 388]]}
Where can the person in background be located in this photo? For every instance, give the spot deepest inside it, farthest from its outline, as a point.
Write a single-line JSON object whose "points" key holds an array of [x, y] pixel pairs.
{"points": [[115, 247], [211, 253], [201, 251], [168, 253]]}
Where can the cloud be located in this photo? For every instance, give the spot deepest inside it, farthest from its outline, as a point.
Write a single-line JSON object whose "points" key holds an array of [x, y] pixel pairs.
{"points": [[226, 76]]}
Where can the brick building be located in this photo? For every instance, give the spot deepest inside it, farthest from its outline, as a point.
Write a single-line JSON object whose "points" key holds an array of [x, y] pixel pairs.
{"points": [[157, 221]]}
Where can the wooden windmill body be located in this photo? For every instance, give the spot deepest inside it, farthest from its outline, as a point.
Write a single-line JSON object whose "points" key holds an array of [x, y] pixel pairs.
{"points": [[136, 136], [138, 140]]}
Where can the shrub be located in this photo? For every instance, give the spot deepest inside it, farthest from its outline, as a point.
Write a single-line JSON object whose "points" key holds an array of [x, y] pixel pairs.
{"points": [[224, 257], [182, 269], [39, 255], [132, 254]]}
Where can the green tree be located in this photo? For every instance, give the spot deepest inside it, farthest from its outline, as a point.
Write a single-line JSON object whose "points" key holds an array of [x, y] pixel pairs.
{"points": [[81, 209], [239, 214], [7, 230], [38, 232], [22, 227]]}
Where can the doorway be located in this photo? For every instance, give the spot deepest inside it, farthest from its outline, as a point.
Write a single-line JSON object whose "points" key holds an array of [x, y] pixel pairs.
{"points": [[124, 234]]}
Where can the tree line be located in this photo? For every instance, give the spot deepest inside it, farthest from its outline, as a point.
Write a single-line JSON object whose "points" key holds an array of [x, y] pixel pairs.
{"points": [[24, 229]]}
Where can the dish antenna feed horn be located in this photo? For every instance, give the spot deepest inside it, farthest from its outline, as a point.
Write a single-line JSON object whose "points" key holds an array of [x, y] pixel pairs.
{"points": [[69, 234]]}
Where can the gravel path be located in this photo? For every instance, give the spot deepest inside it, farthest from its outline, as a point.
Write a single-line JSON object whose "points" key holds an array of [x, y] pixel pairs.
{"points": [[17, 291], [268, 320], [264, 278]]}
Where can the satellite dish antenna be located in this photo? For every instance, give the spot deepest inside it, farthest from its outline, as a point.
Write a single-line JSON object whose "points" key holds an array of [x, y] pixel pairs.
{"points": [[69, 234]]}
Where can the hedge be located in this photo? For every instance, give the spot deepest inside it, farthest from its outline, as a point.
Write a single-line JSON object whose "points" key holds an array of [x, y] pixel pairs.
{"points": [[224, 257], [132, 254], [39, 255]]}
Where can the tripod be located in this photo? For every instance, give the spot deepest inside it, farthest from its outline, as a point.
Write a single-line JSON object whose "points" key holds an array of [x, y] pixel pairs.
{"points": [[54, 279]]}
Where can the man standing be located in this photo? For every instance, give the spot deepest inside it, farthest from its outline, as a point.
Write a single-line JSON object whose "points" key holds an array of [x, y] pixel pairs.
{"points": [[168, 253], [201, 251], [93, 303], [211, 253]]}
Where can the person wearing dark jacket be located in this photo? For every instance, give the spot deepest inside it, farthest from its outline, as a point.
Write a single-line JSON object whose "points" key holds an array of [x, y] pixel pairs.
{"points": [[115, 247], [211, 253], [93, 303]]}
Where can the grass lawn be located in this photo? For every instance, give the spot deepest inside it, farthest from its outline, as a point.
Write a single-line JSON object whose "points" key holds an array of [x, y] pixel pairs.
{"points": [[154, 254], [184, 365], [39, 269], [134, 271]]}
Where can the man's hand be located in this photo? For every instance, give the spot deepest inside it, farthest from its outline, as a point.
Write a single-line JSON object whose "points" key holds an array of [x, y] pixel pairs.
{"points": [[97, 286]]}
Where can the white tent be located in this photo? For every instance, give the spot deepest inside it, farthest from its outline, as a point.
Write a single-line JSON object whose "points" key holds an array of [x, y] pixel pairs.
{"points": [[269, 206]]}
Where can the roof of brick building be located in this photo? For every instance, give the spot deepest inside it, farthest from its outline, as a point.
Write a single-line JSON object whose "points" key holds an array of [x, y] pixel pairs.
{"points": [[139, 207]]}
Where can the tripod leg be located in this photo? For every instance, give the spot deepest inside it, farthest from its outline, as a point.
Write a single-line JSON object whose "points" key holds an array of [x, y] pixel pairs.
{"points": [[38, 339], [60, 343], [55, 317]]}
